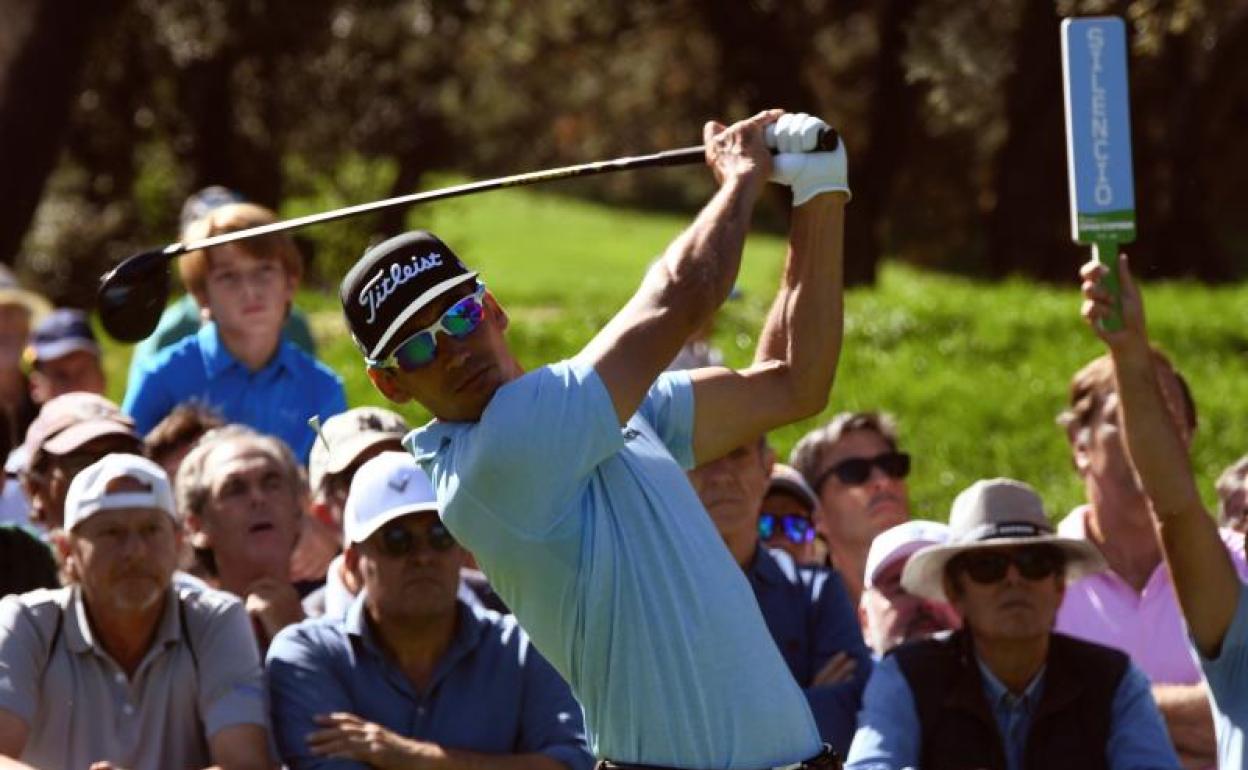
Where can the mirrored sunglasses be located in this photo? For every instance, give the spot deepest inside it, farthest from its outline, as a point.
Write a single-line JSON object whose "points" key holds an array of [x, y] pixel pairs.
{"points": [[798, 529], [398, 541], [856, 470], [460, 320]]}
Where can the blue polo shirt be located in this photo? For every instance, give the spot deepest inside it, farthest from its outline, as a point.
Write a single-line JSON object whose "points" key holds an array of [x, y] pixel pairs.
{"points": [[592, 535], [1227, 674], [277, 399], [811, 618], [491, 692]]}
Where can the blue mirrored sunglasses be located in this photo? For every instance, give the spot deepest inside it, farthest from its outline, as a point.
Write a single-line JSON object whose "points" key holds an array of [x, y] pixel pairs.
{"points": [[459, 320], [798, 529]]}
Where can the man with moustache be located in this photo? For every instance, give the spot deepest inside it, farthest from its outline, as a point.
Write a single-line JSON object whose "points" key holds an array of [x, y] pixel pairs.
{"points": [[1006, 692], [242, 496], [414, 676], [121, 669], [806, 609], [853, 463], [891, 615]]}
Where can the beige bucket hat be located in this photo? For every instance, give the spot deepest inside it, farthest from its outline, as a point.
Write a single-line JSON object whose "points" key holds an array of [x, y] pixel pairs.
{"points": [[995, 513]]}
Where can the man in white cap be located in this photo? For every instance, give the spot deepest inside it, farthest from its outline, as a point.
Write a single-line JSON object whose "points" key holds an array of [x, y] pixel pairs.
{"points": [[1006, 691], [888, 612], [414, 676], [120, 668]]}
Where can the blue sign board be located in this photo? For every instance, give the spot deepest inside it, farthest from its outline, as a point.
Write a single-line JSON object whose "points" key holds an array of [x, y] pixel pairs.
{"points": [[1098, 130]]}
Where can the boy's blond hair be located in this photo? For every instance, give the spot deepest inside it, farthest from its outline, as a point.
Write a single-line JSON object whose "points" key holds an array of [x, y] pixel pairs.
{"points": [[194, 265]]}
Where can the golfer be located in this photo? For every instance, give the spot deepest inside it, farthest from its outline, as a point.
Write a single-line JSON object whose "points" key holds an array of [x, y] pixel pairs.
{"points": [[566, 482]]}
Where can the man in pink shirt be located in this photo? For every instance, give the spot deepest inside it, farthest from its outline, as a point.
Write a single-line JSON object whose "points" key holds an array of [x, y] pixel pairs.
{"points": [[1132, 605]]}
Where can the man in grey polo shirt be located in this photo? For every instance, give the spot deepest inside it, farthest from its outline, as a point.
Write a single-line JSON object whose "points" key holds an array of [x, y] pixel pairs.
{"points": [[120, 669]]}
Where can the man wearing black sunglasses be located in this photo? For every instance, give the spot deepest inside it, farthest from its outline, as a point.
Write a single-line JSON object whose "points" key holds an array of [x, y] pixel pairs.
{"points": [[415, 675], [567, 482], [855, 466], [1006, 691]]}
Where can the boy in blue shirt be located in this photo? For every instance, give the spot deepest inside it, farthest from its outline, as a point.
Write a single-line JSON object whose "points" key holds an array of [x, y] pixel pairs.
{"points": [[239, 364]]}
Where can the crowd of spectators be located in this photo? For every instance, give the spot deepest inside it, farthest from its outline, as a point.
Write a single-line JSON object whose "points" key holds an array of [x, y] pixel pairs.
{"points": [[233, 568]]}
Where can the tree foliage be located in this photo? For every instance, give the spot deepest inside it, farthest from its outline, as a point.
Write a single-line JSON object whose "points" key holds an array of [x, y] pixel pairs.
{"points": [[951, 110]]}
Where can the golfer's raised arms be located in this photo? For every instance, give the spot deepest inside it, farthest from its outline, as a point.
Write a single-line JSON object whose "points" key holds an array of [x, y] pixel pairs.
{"points": [[686, 286]]}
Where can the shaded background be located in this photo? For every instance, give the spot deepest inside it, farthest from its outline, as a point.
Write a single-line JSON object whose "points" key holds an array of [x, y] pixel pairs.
{"points": [[111, 111]]}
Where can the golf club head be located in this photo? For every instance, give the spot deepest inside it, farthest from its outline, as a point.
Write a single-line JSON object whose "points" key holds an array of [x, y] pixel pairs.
{"points": [[133, 295]]}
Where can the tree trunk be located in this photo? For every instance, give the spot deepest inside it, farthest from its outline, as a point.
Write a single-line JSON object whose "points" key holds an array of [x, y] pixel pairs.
{"points": [[893, 114], [1028, 223], [43, 46]]}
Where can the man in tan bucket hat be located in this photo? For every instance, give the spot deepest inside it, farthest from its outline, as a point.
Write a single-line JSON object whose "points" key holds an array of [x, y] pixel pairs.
{"points": [[1006, 691]]}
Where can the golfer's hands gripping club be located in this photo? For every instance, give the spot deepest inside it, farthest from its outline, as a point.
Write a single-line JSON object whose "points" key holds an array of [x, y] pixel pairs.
{"points": [[799, 165], [739, 152], [1098, 305]]}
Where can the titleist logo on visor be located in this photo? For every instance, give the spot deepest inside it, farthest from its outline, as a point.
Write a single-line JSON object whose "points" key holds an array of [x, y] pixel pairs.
{"points": [[392, 282], [384, 285]]}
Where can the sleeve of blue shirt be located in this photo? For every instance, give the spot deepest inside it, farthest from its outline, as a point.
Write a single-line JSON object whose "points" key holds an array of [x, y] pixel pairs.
{"points": [[551, 719], [1227, 673], [668, 407], [1137, 734], [888, 726], [304, 682], [148, 398], [836, 629]]}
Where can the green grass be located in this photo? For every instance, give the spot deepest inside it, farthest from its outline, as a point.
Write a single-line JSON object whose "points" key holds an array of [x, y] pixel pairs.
{"points": [[974, 372]]}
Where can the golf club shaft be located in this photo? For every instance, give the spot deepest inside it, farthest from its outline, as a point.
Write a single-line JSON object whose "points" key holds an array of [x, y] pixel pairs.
{"points": [[679, 157], [828, 141]]}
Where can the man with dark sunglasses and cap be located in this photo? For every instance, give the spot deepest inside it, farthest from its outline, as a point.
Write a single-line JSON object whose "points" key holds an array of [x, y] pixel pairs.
{"points": [[806, 609], [1006, 691], [789, 519], [414, 676], [855, 466], [567, 482]]}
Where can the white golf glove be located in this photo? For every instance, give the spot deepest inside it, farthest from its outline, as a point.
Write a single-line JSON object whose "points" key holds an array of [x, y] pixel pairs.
{"points": [[799, 165]]}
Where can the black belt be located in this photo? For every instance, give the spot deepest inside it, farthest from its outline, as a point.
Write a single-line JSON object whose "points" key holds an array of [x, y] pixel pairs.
{"points": [[826, 759]]}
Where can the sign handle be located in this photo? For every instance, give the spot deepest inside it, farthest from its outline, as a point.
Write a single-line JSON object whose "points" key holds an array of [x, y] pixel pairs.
{"points": [[1105, 252]]}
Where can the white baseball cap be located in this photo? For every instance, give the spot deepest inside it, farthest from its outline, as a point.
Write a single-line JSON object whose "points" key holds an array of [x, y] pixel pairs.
{"points": [[896, 543], [385, 488], [90, 491]]}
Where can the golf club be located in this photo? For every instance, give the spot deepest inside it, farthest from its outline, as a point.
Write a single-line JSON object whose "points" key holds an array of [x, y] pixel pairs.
{"points": [[133, 295]]}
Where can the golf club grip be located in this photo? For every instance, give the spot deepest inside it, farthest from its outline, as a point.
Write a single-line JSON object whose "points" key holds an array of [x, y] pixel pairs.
{"points": [[828, 141]]}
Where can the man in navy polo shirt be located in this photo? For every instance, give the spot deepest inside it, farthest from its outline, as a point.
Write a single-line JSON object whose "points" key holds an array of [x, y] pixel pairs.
{"points": [[414, 675], [807, 609]]}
